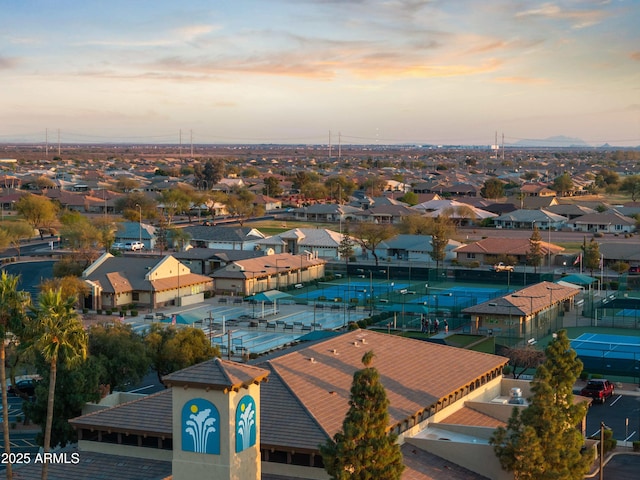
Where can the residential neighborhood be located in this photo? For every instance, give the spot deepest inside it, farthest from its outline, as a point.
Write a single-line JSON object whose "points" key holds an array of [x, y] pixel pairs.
{"points": [[290, 273]]}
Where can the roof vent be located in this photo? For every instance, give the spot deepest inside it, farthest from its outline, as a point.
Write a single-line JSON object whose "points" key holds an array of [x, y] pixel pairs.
{"points": [[364, 340], [312, 360], [356, 344], [334, 351]]}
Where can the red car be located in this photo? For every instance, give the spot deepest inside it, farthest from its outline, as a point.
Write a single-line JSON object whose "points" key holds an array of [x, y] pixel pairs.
{"points": [[599, 390]]}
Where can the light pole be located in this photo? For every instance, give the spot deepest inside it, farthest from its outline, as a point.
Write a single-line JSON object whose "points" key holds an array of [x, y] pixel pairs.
{"points": [[277, 271], [551, 289], [139, 223], [530, 297]]}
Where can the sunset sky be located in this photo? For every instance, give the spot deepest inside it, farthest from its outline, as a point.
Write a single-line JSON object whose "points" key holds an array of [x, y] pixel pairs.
{"points": [[290, 71]]}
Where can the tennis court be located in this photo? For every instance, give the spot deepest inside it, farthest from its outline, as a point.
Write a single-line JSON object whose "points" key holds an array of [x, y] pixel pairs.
{"points": [[607, 346]]}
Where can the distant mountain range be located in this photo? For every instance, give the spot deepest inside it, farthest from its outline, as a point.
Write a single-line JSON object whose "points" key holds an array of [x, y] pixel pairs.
{"points": [[557, 141]]}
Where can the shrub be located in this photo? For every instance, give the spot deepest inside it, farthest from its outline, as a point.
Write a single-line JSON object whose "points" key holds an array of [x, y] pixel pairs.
{"points": [[636, 446], [507, 370], [584, 375], [596, 376], [108, 311], [99, 311], [134, 313]]}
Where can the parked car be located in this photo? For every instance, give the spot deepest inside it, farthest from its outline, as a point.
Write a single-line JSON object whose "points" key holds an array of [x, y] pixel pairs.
{"points": [[23, 387], [501, 267], [598, 389], [134, 246], [634, 269], [117, 246]]}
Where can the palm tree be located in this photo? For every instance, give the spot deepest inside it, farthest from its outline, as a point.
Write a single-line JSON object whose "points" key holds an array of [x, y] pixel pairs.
{"points": [[57, 334], [12, 311]]}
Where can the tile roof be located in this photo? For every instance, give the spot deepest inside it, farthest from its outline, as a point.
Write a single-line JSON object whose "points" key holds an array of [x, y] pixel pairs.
{"points": [[411, 371], [217, 374], [507, 246], [526, 301], [469, 416], [146, 415], [98, 466]]}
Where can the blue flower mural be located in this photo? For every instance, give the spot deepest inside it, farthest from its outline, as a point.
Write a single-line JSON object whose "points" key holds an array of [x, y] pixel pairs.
{"points": [[245, 423], [200, 427]]}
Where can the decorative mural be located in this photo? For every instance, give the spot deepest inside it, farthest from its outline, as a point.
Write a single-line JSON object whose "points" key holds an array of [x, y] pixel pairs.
{"points": [[200, 427], [245, 424]]}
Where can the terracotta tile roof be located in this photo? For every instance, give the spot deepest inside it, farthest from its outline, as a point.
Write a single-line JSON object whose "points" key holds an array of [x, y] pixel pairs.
{"points": [[526, 301], [284, 421], [508, 246], [217, 374], [469, 416], [98, 466], [150, 415], [415, 374]]}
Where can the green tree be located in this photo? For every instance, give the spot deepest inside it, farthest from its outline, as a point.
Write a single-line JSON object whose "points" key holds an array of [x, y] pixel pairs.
{"points": [[39, 212], [410, 198], [364, 448], [12, 311], [56, 333], [416, 225], [80, 236], [171, 349], [241, 204], [563, 184], [441, 232], [76, 385], [492, 188], [11, 233], [591, 260], [69, 285], [370, 235], [272, 187], [535, 255], [631, 185], [345, 249], [213, 171], [121, 352], [541, 441]]}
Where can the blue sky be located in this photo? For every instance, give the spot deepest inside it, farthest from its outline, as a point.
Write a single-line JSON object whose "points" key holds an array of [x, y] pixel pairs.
{"points": [[290, 71]]}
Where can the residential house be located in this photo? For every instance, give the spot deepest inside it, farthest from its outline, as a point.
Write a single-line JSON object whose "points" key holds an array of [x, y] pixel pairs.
{"points": [[528, 219], [146, 281], [536, 190], [224, 238], [570, 210], [461, 213], [486, 251], [387, 214], [414, 248], [610, 221], [330, 212], [136, 231], [321, 242]]}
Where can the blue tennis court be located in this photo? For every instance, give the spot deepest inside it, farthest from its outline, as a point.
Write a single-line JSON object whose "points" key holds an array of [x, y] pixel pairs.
{"points": [[346, 291], [460, 297], [607, 346]]}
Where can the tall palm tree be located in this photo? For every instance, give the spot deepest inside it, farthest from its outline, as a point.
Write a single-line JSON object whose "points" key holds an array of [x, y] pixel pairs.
{"points": [[57, 334], [12, 303]]}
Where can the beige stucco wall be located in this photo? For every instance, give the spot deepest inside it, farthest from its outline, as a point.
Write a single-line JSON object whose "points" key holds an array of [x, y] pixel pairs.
{"points": [[478, 458]]}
